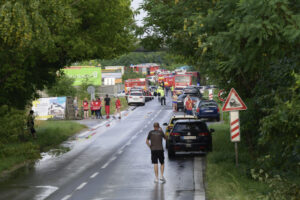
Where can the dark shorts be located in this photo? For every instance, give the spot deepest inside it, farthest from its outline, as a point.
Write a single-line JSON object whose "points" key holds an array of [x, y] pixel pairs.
{"points": [[157, 155]]}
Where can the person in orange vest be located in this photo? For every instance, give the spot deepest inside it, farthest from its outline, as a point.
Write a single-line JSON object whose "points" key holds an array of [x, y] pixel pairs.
{"points": [[118, 107], [93, 109], [85, 108], [189, 106], [99, 106]]}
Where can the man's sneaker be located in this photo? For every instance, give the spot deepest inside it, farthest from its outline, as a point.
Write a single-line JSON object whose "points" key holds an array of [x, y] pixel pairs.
{"points": [[162, 179], [156, 180]]}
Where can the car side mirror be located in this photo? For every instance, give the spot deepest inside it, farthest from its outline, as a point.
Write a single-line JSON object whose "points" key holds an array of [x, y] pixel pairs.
{"points": [[165, 124], [212, 130]]}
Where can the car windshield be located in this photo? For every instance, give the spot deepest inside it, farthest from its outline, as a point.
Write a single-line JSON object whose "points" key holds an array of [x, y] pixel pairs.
{"points": [[208, 104], [195, 127], [182, 79], [136, 94], [176, 119]]}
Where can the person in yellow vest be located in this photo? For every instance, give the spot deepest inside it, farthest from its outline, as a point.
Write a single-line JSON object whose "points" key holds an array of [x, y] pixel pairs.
{"points": [[162, 97], [172, 90]]}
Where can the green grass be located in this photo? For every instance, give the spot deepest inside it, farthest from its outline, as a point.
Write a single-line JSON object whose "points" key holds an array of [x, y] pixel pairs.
{"points": [[49, 135], [225, 180]]}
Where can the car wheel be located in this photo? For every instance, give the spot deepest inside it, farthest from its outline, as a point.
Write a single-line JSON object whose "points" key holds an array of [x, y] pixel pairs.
{"points": [[218, 119], [171, 153], [143, 104]]}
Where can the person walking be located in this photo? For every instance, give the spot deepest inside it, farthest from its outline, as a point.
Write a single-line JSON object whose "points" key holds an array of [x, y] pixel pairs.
{"points": [[189, 106], [154, 142], [30, 123], [75, 105], [174, 102], [107, 106], [85, 108], [172, 90], [162, 97], [118, 107]]}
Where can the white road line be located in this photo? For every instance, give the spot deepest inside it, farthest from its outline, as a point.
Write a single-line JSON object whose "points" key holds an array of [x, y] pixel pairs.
{"points": [[94, 175], [120, 152], [198, 179], [113, 158], [66, 197], [105, 165], [81, 186]]}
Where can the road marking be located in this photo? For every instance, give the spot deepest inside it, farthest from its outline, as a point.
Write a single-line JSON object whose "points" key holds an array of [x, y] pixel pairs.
{"points": [[198, 179], [113, 158], [105, 165], [47, 190], [94, 175], [66, 197], [81, 186], [120, 152]]}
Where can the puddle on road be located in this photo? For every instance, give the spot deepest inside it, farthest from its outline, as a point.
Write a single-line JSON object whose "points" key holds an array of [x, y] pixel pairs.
{"points": [[26, 169]]}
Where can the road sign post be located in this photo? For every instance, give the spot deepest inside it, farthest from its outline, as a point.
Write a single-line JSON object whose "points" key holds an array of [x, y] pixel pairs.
{"points": [[233, 104]]}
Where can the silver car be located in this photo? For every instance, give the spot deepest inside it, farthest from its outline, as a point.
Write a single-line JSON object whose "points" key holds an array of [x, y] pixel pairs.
{"points": [[136, 97]]}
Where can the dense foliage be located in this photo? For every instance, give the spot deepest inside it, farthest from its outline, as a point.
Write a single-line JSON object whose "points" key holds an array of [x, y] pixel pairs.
{"points": [[252, 46], [62, 87], [39, 37]]}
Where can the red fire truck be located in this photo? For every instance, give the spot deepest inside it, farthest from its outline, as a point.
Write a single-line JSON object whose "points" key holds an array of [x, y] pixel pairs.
{"points": [[169, 80], [181, 81], [137, 83]]}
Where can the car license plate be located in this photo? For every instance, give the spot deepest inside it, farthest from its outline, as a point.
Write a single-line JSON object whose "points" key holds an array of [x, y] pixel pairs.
{"points": [[209, 111], [189, 137], [136, 99], [188, 145]]}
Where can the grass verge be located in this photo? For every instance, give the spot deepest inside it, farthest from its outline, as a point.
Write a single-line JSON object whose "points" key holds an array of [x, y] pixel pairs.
{"points": [[224, 180], [49, 135]]}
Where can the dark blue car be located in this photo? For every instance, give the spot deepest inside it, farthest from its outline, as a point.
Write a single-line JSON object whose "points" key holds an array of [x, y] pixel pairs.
{"points": [[208, 109]]}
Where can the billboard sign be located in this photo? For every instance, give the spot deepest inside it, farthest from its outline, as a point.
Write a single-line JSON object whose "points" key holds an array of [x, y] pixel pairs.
{"points": [[82, 73], [49, 108]]}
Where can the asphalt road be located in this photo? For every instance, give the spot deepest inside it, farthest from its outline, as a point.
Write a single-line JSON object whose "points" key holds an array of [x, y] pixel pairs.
{"points": [[110, 161]]}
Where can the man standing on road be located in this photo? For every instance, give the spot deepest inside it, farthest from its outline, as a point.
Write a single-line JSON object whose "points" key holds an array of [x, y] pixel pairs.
{"points": [[154, 142], [107, 106], [189, 106]]}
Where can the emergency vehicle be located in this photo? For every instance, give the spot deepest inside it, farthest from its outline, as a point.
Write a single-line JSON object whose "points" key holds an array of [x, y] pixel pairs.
{"points": [[136, 83]]}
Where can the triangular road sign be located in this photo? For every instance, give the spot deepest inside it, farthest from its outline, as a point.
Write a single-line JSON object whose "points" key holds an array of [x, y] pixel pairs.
{"points": [[234, 102]]}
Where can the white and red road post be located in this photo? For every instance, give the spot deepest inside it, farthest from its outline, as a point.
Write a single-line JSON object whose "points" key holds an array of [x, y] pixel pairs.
{"points": [[233, 104]]}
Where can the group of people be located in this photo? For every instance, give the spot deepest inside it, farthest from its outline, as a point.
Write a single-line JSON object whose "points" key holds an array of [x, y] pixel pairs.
{"points": [[96, 106], [187, 103]]}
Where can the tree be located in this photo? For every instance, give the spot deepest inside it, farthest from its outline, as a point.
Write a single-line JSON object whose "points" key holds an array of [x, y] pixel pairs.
{"points": [[37, 38], [62, 87]]}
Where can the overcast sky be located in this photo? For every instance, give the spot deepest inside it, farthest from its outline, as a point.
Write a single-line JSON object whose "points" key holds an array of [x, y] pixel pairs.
{"points": [[139, 18]]}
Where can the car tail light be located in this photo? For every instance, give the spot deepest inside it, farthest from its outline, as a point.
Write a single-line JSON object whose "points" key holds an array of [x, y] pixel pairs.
{"points": [[175, 134], [218, 109], [203, 134], [141, 97], [198, 110]]}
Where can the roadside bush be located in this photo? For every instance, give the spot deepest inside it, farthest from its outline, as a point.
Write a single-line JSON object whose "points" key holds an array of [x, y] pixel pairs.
{"points": [[12, 124]]}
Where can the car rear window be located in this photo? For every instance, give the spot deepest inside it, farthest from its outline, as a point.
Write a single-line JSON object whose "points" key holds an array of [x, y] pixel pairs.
{"points": [[208, 104], [195, 127], [136, 94]]}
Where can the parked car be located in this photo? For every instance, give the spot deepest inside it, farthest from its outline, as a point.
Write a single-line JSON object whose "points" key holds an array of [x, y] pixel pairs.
{"points": [[121, 93], [189, 136], [192, 90], [136, 97], [172, 121], [208, 109]]}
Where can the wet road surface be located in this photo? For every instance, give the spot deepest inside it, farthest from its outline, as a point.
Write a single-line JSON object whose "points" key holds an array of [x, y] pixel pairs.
{"points": [[110, 161]]}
